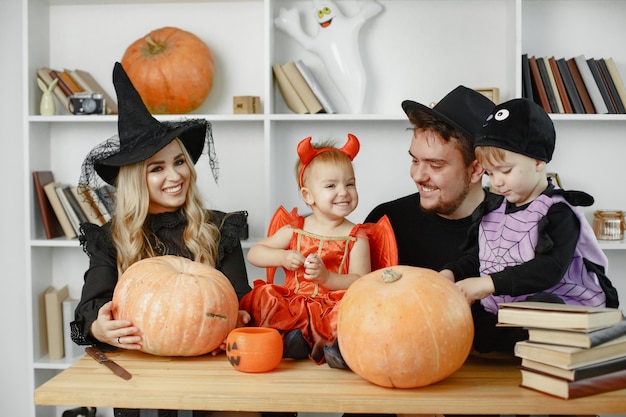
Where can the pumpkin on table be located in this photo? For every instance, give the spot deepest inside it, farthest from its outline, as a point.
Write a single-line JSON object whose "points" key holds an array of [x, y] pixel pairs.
{"points": [[182, 307], [171, 69], [404, 327]]}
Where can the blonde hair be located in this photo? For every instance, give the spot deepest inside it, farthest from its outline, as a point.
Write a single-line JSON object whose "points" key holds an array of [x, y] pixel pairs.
{"points": [[331, 156], [129, 232]]}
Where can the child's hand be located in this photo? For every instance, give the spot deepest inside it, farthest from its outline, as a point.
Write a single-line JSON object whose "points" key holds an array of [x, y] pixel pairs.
{"points": [[476, 288], [315, 270], [293, 260]]}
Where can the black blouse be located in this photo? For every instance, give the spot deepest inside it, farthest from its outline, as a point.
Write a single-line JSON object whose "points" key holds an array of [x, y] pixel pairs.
{"points": [[167, 228]]}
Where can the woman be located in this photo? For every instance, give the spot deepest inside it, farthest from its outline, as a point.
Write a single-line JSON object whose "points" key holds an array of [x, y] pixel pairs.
{"points": [[158, 211]]}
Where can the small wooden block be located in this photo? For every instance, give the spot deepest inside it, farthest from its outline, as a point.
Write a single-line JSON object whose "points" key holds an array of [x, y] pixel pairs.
{"points": [[246, 105]]}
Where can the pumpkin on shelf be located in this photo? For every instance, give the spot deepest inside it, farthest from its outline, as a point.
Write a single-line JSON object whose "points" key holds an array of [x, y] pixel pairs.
{"points": [[404, 327], [182, 307], [172, 69]]}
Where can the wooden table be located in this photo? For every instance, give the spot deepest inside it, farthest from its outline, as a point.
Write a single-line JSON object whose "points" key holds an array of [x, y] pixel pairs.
{"points": [[484, 385]]}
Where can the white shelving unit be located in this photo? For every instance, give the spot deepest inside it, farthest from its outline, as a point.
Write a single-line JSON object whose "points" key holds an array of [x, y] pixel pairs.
{"points": [[414, 49]]}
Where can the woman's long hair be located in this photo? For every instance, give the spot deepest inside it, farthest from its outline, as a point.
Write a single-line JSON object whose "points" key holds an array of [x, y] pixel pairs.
{"points": [[130, 234]]}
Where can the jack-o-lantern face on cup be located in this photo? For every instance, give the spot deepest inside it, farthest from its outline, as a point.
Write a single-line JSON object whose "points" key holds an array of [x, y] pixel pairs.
{"points": [[254, 349]]}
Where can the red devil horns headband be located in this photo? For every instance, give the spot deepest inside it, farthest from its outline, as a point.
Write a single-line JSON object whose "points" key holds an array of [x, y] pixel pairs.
{"points": [[307, 152]]}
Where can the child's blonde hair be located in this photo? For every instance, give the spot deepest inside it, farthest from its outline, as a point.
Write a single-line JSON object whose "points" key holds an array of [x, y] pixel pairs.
{"points": [[331, 156]]}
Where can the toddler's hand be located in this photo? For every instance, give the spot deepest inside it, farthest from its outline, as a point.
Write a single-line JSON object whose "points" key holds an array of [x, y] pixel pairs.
{"points": [[293, 260]]}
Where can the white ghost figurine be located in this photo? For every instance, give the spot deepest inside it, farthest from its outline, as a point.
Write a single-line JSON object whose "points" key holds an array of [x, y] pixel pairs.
{"points": [[336, 43]]}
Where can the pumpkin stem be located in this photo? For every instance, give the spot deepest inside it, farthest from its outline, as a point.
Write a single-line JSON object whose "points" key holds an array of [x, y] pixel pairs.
{"points": [[389, 276], [155, 48]]}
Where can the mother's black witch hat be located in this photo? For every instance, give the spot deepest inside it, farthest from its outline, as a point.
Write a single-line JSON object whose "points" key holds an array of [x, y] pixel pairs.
{"points": [[140, 135]]}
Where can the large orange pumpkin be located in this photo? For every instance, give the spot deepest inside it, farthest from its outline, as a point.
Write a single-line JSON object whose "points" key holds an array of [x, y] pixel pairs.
{"points": [[171, 69], [182, 307], [404, 327]]}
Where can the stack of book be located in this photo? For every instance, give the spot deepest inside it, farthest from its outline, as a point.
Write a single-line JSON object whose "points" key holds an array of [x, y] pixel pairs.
{"points": [[300, 89], [64, 208], [72, 82], [574, 85], [572, 351]]}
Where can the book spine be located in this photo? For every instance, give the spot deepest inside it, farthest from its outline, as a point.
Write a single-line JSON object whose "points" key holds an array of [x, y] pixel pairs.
{"points": [[580, 86], [44, 74], [302, 88], [617, 79], [568, 81], [69, 211], [553, 86], [560, 86], [538, 85], [547, 86], [310, 79], [594, 92], [51, 225], [292, 100], [66, 90], [527, 87], [55, 202], [611, 86], [598, 384], [595, 72]]}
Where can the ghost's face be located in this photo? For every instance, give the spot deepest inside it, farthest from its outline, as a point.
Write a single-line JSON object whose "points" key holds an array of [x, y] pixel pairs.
{"points": [[325, 12]]}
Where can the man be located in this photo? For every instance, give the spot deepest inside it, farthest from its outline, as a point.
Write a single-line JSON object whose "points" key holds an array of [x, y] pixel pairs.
{"points": [[431, 225]]}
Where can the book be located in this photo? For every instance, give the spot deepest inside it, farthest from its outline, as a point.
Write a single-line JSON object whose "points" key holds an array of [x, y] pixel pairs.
{"points": [[76, 206], [291, 97], [580, 86], [576, 374], [543, 72], [570, 87], [305, 93], [591, 85], [51, 224], [59, 211], [71, 349], [577, 338], [539, 91], [317, 89], [103, 206], [89, 207], [70, 82], [568, 357], [44, 74], [604, 92], [553, 86], [53, 300], [573, 389], [611, 86], [88, 83], [560, 86], [617, 79], [557, 316], [66, 90], [69, 210], [527, 87]]}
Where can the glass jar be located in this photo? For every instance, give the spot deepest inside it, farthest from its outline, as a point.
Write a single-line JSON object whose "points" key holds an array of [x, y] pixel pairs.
{"points": [[608, 224]]}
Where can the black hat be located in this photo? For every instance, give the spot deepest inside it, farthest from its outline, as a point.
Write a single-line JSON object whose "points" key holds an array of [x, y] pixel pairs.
{"points": [[463, 108], [141, 135], [521, 126]]}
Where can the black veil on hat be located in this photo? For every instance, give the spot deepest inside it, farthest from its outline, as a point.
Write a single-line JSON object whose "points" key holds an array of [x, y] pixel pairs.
{"points": [[140, 136], [463, 108]]}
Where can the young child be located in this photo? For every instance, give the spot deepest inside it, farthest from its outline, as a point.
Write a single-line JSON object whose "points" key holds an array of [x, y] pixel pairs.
{"points": [[322, 254], [530, 241]]}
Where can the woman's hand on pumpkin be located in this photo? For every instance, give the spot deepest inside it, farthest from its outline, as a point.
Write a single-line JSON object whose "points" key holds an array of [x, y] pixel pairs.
{"points": [[120, 333], [292, 260], [476, 288]]}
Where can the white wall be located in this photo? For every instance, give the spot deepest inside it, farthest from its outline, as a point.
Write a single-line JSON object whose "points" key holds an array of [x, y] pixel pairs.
{"points": [[15, 396]]}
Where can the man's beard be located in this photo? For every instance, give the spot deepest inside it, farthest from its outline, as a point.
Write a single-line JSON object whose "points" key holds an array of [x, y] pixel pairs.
{"points": [[447, 208]]}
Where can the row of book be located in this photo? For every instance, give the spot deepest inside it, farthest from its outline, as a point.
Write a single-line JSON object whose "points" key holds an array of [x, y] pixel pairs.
{"points": [[59, 309], [572, 351], [64, 207], [576, 85], [72, 82], [300, 89]]}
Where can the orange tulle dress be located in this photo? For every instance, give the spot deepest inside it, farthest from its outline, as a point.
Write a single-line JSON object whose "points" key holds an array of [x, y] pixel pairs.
{"points": [[299, 303]]}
